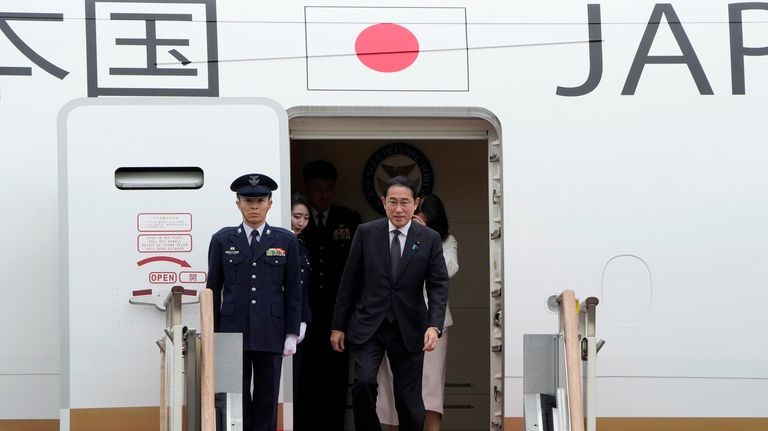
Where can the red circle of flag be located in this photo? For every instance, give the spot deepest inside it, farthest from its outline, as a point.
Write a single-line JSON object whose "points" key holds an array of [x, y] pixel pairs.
{"points": [[387, 47]]}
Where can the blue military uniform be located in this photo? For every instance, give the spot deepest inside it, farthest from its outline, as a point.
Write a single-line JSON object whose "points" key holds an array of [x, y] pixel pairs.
{"points": [[261, 291], [306, 273], [325, 374], [306, 316], [257, 292]]}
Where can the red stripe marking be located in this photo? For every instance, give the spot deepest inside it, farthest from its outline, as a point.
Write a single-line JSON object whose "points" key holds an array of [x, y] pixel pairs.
{"points": [[142, 292], [180, 262]]}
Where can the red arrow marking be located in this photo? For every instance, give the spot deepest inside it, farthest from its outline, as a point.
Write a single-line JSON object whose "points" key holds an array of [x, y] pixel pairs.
{"points": [[181, 262]]}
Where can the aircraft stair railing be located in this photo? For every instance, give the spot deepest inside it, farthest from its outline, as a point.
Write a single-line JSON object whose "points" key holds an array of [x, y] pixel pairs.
{"points": [[560, 370], [186, 360]]}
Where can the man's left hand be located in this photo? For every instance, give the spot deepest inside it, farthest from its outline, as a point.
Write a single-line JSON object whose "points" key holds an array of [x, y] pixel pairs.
{"points": [[430, 339]]}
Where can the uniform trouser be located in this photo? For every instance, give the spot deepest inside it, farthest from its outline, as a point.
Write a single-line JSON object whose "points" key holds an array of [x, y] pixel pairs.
{"points": [[321, 402], [260, 407], [406, 372]]}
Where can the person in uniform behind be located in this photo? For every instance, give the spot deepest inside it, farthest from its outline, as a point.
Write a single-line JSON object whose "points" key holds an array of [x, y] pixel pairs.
{"points": [[253, 270], [322, 397], [299, 220], [430, 213]]}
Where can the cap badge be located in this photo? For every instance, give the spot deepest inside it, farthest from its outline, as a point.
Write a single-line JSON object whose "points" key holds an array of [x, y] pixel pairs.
{"points": [[254, 180]]}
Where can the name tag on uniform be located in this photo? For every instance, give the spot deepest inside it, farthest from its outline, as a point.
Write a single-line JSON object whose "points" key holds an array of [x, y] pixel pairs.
{"points": [[275, 252]]}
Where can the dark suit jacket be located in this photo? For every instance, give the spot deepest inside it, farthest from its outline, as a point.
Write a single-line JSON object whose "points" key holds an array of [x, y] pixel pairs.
{"points": [[256, 294], [328, 250], [367, 287]]}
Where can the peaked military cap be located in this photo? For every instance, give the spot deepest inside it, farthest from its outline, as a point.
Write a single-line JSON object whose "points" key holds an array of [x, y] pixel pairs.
{"points": [[253, 185]]}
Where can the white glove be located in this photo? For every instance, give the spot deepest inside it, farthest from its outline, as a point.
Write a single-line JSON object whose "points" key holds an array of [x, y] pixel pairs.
{"points": [[290, 345], [302, 331]]}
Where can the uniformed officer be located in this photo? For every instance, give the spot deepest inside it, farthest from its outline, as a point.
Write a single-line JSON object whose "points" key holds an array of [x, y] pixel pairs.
{"points": [[253, 270], [299, 220], [325, 373]]}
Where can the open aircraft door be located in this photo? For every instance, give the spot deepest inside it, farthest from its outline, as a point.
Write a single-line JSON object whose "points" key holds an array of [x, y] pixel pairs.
{"points": [[144, 183]]}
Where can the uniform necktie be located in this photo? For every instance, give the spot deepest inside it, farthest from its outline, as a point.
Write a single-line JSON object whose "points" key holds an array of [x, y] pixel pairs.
{"points": [[394, 253], [254, 241], [320, 221]]}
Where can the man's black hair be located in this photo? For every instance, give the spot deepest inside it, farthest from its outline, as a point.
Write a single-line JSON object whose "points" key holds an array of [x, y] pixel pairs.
{"points": [[322, 169], [403, 181]]}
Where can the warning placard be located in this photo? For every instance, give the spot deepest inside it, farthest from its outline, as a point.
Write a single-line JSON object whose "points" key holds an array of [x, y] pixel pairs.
{"points": [[164, 243], [164, 222]]}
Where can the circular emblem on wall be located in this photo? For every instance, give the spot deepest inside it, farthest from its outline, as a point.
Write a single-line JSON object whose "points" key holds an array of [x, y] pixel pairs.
{"points": [[390, 161]]}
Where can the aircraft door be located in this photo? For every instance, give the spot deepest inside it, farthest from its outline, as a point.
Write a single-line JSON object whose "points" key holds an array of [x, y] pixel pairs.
{"points": [[144, 183]]}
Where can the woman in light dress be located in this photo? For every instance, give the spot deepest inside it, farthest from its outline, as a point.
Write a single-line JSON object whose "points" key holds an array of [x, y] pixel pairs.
{"points": [[431, 213]]}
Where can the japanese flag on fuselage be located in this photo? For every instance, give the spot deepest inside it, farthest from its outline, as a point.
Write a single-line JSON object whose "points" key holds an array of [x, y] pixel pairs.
{"points": [[386, 48]]}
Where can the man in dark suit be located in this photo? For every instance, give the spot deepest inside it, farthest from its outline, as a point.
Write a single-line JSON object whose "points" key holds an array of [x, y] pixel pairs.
{"points": [[253, 270], [380, 306], [322, 400]]}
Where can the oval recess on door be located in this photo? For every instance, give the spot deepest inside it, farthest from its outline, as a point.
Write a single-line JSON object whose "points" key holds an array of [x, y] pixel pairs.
{"points": [[627, 290]]}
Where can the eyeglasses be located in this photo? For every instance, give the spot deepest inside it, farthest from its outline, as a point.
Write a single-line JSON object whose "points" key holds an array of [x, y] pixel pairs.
{"points": [[394, 203]]}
